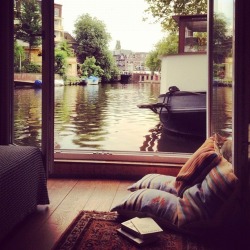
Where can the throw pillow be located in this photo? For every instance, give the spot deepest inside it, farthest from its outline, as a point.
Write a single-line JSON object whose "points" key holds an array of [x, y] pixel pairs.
{"points": [[156, 181], [206, 202], [160, 205], [197, 166]]}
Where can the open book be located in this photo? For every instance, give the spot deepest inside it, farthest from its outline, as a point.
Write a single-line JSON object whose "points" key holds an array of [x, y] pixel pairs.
{"points": [[146, 226], [142, 227]]}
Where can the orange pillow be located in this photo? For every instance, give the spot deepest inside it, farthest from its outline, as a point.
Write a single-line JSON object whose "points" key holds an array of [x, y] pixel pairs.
{"points": [[198, 166]]}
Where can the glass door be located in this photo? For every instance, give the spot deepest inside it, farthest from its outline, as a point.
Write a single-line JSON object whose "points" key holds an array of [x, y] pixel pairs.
{"points": [[221, 73], [34, 76], [27, 73]]}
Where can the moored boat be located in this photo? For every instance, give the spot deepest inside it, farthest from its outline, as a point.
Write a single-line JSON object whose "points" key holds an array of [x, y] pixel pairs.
{"points": [[184, 112], [92, 80], [181, 112]]}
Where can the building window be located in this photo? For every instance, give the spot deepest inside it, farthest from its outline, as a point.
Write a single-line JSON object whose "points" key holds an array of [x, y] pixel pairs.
{"points": [[57, 12]]}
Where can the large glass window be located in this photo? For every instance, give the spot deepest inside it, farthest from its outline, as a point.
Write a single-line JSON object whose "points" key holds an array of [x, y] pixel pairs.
{"points": [[102, 117], [131, 112]]}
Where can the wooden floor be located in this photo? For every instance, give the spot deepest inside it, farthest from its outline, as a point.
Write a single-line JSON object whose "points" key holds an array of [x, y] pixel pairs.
{"points": [[42, 229]]}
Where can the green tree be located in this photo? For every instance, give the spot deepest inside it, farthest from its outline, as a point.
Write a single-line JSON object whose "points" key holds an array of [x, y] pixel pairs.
{"points": [[109, 66], [164, 10], [19, 57], [166, 46], [92, 37], [60, 62], [89, 68], [62, 51], [30, 24], [93, 40], [65, 46], [222, 40]]}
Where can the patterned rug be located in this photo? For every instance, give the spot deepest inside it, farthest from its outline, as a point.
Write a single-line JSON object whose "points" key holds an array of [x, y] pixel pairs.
{"points": [[97, 231]]}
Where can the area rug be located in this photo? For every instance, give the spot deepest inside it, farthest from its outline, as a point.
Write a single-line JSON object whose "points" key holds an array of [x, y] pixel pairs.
{"points": [[97, 231]]}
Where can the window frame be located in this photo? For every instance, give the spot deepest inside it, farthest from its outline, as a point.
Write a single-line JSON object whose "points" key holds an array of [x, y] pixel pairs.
{"points": [[155, 158], [240, 122]]}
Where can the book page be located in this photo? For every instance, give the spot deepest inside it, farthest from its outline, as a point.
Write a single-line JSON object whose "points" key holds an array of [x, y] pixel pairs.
{"points": [[146, 225], [129, 224]]}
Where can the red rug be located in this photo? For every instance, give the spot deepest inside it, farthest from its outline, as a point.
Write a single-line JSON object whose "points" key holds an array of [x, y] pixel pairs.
{"points": [[97, 230]]}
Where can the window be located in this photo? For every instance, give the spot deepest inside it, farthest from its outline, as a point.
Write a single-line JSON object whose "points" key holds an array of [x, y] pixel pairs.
{"points": [[57, 12], [107, 154], [222, 68]]}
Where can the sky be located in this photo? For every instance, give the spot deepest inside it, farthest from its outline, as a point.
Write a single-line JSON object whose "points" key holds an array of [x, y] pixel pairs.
{"points": [[123, 20]]}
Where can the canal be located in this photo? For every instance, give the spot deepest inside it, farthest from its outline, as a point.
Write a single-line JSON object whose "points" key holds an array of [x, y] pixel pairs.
{"points": [[106, 117]]}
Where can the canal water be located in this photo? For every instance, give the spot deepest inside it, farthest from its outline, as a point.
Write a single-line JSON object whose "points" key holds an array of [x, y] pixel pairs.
{"points": [[103, 117]]}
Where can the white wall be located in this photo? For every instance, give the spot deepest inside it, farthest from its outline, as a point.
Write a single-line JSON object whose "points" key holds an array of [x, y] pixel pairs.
{"points": [[188, 72]]}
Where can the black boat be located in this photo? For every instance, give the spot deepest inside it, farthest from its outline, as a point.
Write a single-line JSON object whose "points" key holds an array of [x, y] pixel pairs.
{"points": [[181, 112]]}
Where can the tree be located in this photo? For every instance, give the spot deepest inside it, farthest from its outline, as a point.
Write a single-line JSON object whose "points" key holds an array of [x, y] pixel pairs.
{"points": [[62, 52], [93, 39], [30, 24], [18, 57], [164, 10], [222, 41], [65, 46], [110, 69], [90, 68], [166, 46]]}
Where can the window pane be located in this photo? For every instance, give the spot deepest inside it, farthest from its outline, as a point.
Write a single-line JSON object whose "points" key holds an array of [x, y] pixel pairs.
{"points": [[106, 116], [221, 120], [27, 73]]}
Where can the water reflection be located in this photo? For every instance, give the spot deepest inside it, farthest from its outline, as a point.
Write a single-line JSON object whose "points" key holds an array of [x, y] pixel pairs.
{"points": [[105, 117], [27, 116], [222, 111]]}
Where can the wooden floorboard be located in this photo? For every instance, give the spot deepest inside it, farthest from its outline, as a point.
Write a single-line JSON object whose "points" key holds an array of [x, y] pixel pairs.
{"points": [[43, 228]]}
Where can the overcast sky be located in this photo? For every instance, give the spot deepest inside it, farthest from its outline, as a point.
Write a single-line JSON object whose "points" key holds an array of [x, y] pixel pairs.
{"points": [[123, 20]]}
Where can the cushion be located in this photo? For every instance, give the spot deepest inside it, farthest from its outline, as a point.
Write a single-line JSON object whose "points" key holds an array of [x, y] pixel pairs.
{"points": [[205, 205], [156, 181], [204, 201], [160, 205], [197, 166]]}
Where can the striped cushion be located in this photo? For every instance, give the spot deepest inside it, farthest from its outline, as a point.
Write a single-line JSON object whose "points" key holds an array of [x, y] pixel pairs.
{"points": [[155, 181], [160, 205], [204, 201], [203, 206], [197, 167]]}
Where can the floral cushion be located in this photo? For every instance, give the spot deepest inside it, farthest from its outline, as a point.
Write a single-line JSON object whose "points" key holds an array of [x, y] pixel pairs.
{"points": [[155, 181], [197, 166], [160, 205]]}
